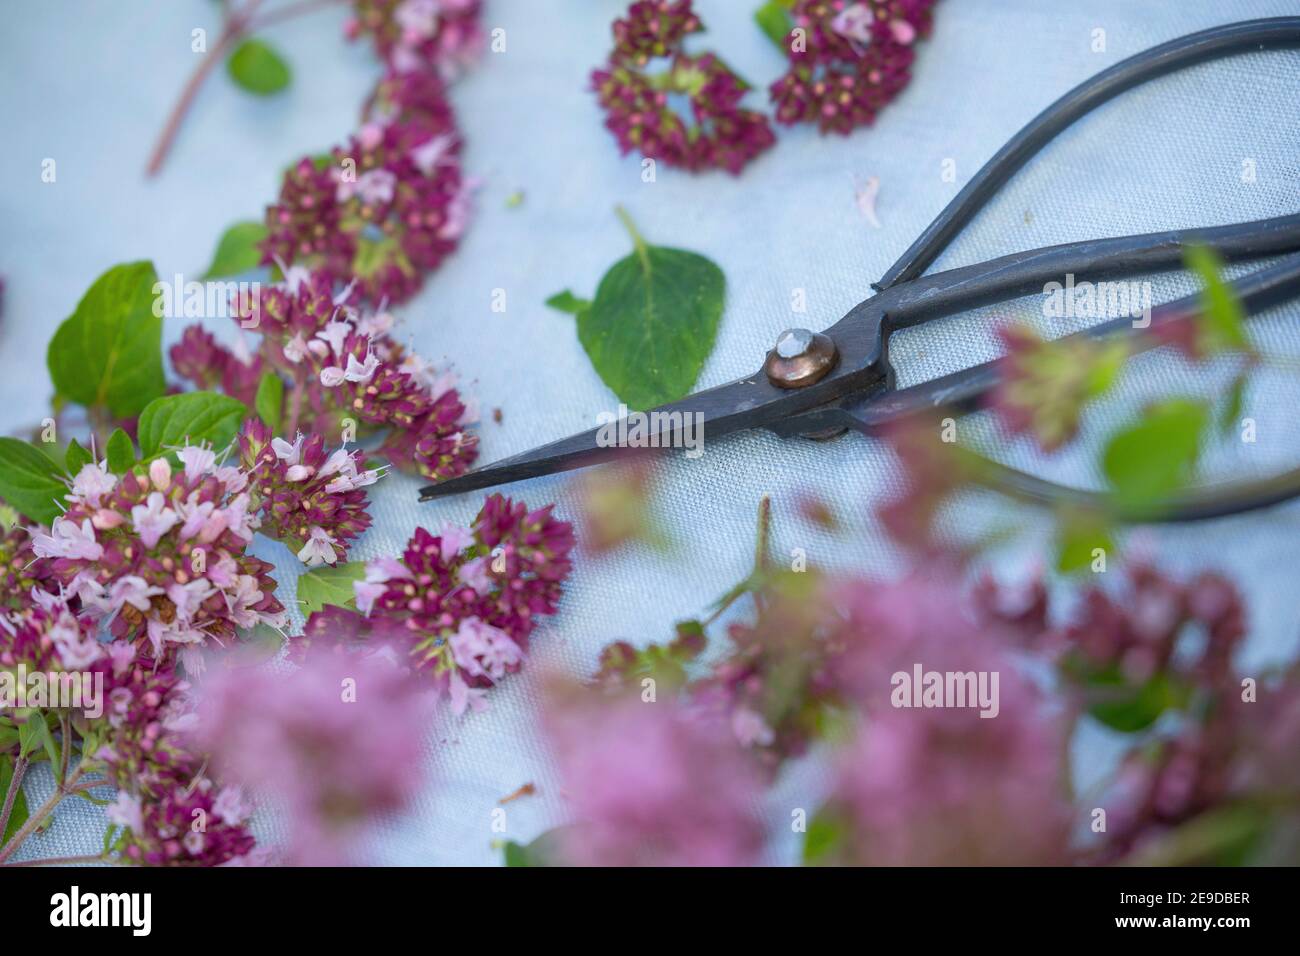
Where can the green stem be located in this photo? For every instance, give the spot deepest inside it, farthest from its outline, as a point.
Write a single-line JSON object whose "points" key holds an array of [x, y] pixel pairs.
{"points": [[637, 241], [42, 813]]}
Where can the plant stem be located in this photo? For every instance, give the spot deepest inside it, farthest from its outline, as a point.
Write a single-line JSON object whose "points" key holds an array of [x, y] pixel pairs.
{"points": [[637, 241], [39, 817], [15, 785], [238, 23], [61, 860]]}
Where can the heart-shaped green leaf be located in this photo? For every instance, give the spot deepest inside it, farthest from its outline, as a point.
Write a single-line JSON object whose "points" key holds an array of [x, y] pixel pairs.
{"points": [[190, 418], [30, 481], [329, 585], [653, 322], [108, 353]]}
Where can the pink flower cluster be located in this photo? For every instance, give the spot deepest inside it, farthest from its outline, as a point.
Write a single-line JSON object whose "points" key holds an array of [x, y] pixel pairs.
{"points": [[168, 810], [851, 58], [718, 133], [160, 558], [442, 36], [382, 211], [341, 365], [307, 499], [338, 741], [461, 604], [651, 786]]}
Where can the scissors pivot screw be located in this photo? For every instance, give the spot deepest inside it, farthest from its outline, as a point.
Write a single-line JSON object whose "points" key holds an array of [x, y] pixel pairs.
{"points": [[800, 358]]}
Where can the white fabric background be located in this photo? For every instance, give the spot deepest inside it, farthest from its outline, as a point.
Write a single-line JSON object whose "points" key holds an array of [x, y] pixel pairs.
{"points": [[89, 83]]}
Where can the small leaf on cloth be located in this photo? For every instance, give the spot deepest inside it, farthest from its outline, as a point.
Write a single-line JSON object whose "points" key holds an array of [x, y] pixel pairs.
{"points": [[120, 452], [189, 418], [1156, 457], [108, 353], [256, 67], [237, 250], [329, 585], [653, 322], [269, 402], [30, 481], [773, 18]]}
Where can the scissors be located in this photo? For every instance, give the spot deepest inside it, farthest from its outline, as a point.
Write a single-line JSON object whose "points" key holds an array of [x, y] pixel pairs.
{"points": [[822, 384]]}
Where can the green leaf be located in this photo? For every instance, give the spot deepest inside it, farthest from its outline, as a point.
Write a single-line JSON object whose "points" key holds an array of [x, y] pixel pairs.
{"points": [[35, 732], [653, 322], [1222, 323], [826, 832], [543, 851], [1231, 417], [269, 402], [108, 353], [566, 301], [773, 18], [120, 452], [1155, 457], [29, 481], [19, 813], [75, 458], [189, 418], [329, 585], [257, 68], [1130, 709], [1080, 533], [237, 250]]}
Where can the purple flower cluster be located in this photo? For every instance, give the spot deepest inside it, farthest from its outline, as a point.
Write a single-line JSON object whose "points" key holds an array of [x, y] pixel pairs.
{"points": [[442, 36], [651, 786], [337, 741], [385, 209], [307, 499], [340, 366], [718, 133], [461, 604], [160, 558], [848, 60]]}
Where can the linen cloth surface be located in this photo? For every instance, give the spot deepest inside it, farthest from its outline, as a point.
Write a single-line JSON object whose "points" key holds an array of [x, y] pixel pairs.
{"points": [[89, 84]]}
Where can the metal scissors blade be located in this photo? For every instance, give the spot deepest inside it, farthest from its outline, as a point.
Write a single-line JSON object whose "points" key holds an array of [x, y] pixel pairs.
{"points": [[842, 378]]}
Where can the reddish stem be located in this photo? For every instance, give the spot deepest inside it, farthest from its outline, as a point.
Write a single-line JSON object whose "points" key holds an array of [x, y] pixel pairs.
{"points": [[237, 24]]}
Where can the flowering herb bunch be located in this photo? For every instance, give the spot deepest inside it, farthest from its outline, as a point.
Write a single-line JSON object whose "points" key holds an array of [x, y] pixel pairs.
{"points": [[383, 210], [640, 105], [831, 660], [329, 369], [848, 60], [128, 573], [458, 606]]}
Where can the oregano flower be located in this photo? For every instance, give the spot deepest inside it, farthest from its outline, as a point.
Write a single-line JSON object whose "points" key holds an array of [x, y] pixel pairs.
{"points": [[717, 133], [848, 60], [460, 604], [442, 36]]}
